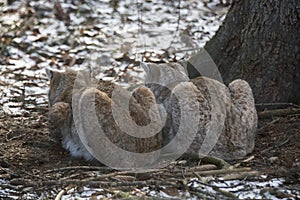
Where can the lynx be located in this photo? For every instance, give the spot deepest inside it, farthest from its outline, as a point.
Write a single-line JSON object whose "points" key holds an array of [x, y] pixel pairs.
{"points": [[227, 115], [62, 120]]}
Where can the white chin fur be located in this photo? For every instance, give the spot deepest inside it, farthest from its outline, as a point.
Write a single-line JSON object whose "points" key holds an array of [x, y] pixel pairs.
{"points": [[76, 150]]}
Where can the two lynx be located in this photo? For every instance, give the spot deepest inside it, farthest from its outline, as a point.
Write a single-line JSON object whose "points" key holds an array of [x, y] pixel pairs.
{"points": [[62, 119], [226, 116]]}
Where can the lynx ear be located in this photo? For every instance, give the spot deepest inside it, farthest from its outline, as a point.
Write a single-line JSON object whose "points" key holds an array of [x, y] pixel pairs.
{"points": [[49, 72], [145, 67]]}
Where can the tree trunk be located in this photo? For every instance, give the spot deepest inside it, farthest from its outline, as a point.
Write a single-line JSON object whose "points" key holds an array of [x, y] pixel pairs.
{"points": [[259, 42]]}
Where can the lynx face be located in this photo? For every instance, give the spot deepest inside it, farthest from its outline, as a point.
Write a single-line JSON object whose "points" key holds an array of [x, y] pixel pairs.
{"points": [[162, 78], [164, 74], [59, 83]]}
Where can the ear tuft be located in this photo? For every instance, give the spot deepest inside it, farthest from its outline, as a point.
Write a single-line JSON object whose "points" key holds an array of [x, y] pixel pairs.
{"points": [[145, 66], [49, 72]]}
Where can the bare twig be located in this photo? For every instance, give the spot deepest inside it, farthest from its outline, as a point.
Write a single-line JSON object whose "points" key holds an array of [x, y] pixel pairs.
{"points": [[104, 184], [202, 194], [278, 112], [63, 191], [7, 138], [37, 108], [244, 161], [276, 105], [220, 163], [79, 168], [110, 175], [226, 193], [223, 171], [202, 168], [277, 145], [269, 124], [241, 175]]}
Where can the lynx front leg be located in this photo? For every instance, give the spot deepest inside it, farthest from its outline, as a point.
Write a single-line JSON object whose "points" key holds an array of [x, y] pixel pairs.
{"points": [[61, 124], [59, 119]]}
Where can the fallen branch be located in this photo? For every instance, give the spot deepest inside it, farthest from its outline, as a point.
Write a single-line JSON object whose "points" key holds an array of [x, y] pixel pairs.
{"points": [[113, 174], [241, 175], [269, 124], [278, 112], [91, 168], [244, 161], [276, 105], [202, 168], [220, 163], [203, 194], [226, 193], [102, 184], [38, 109], [63, 191], [223, 171]]}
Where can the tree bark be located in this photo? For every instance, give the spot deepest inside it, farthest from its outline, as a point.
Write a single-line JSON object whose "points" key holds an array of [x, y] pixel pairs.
{"points": [[259, 42]]}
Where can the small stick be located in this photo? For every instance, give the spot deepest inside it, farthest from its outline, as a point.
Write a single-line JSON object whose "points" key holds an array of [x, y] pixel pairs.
{"points": [[226, 193], [77, 168], [220, 163], [223, 171], [241, 175], [276, 104], [202, 168], [104, 184], [39, 109], [278, 112], [269, 124], [244, 161], [62, 192]]}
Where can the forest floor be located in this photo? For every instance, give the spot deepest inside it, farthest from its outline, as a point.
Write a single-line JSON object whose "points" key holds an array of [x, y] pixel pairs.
{"points": [[33, 164], [112, 37]]}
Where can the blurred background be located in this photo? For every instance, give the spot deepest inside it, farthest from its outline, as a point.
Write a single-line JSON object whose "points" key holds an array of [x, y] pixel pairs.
{"points": [[109, 36]]}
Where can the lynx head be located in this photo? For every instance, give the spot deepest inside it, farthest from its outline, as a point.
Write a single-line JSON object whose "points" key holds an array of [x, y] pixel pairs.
{"points": [[162, 78], [164, 74], [61, 84]]}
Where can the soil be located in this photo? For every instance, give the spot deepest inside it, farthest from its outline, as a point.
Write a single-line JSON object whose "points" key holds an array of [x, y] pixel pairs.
{"points": [[277, 149], [29, 152]]}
